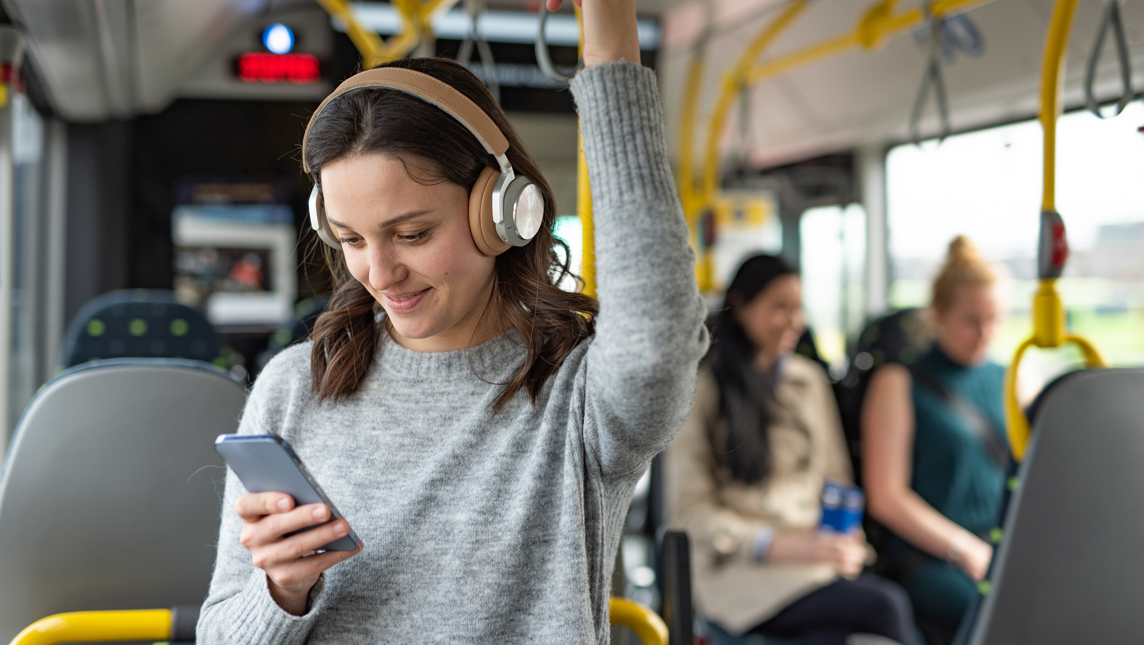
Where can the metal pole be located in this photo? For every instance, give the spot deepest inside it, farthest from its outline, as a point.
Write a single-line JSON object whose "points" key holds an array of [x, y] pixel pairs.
{"points": [[872, 182]]}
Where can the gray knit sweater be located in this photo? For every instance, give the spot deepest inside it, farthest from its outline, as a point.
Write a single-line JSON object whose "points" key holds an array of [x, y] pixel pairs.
{"points": [[494, 529]]}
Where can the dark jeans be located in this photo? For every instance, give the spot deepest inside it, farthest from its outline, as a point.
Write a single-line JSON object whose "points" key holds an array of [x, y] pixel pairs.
{"points": [[868, 605]]}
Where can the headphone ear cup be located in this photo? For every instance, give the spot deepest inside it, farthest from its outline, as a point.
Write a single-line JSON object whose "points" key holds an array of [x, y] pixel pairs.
{"points": [[318, 221], [481, 223]]}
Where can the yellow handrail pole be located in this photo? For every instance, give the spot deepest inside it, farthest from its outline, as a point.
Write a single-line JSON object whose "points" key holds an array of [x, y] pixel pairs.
{"points": [[584, 199], [731, 83], [876, 25], [97, 626], [644, 622], [1052, 81], [1048, 310], [367, 42], [687, 118], [730, 86], [587, 228], [416, 17]]}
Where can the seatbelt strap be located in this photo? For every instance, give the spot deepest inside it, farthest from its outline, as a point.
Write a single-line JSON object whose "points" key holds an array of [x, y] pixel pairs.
{"points": [[979, 425]]}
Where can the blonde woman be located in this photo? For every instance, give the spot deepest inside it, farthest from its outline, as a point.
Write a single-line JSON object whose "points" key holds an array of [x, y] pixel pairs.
{"points": [[934, 447]]}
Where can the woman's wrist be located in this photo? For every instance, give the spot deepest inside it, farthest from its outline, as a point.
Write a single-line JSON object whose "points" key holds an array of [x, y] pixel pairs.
{"points": [[959, 545], [295, 602]]}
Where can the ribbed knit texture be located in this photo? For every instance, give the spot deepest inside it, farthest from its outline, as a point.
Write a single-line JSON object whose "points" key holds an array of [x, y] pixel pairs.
{"points": [[494, 529]]}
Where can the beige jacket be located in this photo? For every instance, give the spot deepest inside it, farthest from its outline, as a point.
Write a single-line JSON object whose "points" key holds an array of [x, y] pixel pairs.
{"points": [[722, 516]]}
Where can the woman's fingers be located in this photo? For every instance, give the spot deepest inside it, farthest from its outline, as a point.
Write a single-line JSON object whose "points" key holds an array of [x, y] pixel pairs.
{"points": [[302, 545], [270, 528], [255, 505], [303, 572], [281, 559]]}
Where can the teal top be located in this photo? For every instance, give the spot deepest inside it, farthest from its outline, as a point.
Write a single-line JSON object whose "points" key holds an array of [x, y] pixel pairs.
{"points": [[952, 469]]}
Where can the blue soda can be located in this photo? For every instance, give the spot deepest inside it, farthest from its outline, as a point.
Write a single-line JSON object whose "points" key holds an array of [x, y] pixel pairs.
{"points": [[842, 507]]}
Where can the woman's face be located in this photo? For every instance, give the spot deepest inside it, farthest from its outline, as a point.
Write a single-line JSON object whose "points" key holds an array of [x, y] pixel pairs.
{"points": [[773, 319], [409, 244], [967, 327]]}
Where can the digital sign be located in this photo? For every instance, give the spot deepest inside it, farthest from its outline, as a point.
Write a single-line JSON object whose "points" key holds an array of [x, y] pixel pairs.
{"points": [[257, 67]]}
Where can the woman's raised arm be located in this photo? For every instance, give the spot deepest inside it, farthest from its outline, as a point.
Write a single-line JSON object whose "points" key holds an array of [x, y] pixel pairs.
{"points": [[649, 334]]}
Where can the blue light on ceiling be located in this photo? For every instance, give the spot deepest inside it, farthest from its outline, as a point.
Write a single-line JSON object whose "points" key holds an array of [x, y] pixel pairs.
{"points": [[278, 38]]}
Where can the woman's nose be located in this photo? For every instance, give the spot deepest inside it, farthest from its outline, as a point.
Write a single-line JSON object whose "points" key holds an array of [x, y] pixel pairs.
{"points": [[385, 269]]}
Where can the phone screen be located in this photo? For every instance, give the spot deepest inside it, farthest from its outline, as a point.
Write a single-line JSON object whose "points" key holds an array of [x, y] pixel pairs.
{"points": [[266, 463]]}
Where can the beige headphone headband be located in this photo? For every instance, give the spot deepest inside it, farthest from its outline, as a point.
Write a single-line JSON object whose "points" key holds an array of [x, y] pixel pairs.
{"points": [[429, 89]]}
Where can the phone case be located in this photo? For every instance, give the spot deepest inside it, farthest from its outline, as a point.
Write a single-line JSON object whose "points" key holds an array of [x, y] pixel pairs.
{"points": [[267, 463]]}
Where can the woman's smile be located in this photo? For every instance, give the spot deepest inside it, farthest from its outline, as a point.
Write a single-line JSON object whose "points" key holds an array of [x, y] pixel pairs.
{"points": [[404, 303]]}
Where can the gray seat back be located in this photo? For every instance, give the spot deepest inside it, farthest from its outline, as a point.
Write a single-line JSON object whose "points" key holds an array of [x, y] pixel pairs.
{"points": [[110, 494], [1069, 568]]}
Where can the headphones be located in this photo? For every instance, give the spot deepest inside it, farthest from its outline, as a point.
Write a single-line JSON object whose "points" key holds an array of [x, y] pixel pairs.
{"points": [[504, 210]]}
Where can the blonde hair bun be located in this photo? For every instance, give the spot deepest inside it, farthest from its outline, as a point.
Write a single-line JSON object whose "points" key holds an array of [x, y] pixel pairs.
{"points": [[962, 251], [963, 266]]}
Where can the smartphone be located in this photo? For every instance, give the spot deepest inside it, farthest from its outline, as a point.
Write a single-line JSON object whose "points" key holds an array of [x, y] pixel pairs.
{"points": [[266, 463]]}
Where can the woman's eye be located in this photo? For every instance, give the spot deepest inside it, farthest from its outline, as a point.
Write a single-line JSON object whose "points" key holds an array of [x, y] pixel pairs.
{"points": [[350, 240], [413, 237]]}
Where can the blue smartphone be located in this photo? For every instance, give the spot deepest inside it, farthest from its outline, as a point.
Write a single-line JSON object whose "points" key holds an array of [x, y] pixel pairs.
{"points": [[267, 464]]}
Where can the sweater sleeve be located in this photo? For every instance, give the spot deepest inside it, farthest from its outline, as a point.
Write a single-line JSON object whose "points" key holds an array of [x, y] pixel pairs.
{"points": [[719, 533], [238, 608], [641, 367]]}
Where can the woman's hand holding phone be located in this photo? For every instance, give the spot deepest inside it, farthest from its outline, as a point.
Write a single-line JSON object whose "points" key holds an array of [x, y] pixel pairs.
{"points": [[291, 563], [609, 30]]}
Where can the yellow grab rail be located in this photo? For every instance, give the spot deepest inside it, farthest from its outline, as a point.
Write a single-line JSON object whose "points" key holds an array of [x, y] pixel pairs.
{"points": [[98, 626], [584, 198], [1048, 311], [644, 622], [732, 83], [155, 625], [878, 23], [415, 16]]}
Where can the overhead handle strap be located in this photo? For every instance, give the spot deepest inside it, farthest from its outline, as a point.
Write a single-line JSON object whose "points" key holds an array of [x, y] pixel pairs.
{"points": [[465, 54], [1111, 21], [544, 59], [932, 76]]}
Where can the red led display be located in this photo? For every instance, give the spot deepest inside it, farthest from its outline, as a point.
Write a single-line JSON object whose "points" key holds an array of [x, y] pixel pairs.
{"points": [[278, 68]]}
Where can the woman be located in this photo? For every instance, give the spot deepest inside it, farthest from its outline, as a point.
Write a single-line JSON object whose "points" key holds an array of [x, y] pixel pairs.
{"points": [[478, 437], [745, 475], [934, 447]]}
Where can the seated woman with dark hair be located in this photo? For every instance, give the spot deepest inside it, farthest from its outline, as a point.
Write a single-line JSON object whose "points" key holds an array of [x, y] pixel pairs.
{"points": [[745, 475]]}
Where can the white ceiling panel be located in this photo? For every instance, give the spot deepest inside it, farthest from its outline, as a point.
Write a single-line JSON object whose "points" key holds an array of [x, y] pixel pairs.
{"points": [[864, 97]]}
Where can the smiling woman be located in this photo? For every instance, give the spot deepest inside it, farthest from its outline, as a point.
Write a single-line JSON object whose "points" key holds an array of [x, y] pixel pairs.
{"points": [[396, 181], [481, 429]]}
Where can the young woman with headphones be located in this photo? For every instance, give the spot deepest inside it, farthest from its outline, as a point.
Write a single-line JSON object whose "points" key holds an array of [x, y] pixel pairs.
{"points": [[480, 429]]}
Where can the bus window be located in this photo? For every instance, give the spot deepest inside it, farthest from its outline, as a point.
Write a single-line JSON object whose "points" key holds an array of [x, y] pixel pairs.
{"points": [[987, 185], [833, 260]]}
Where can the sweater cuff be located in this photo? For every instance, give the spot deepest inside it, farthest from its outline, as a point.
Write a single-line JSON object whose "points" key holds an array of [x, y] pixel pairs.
{"points": [[622, 123], [260, 620]]}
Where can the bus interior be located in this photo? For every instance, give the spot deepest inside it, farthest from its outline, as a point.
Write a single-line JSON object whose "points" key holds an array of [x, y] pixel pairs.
{"points": [[152, 206]]}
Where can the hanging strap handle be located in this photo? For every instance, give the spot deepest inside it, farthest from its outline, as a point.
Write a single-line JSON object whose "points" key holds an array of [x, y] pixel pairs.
{"points": [[544, 59], [933, 76], [1112, 21]]}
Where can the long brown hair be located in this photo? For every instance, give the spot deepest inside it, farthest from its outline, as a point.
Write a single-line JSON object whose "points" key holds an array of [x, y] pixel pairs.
{"points": [[434, 147]]}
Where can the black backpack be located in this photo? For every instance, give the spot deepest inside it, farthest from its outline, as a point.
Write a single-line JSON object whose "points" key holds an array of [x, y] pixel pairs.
{"points": [[897, 337]]}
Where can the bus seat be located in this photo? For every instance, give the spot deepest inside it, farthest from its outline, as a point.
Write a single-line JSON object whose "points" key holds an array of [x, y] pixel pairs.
{"points": [[1067, 566], [140, 323], [109, 497], [306, 314]]}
